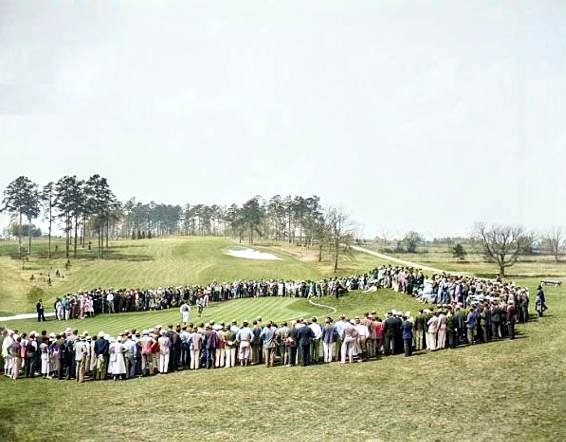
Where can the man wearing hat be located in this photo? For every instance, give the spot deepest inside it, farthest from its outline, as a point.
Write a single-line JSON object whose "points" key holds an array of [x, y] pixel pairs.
{"points": [[229, 338], [164, 352], [101, 347], [244, 337], [315, 345], [80, 358], [329, 337]]}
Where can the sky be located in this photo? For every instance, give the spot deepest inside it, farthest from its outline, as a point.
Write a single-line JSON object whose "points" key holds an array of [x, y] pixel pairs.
{"points": [[410, 115]]}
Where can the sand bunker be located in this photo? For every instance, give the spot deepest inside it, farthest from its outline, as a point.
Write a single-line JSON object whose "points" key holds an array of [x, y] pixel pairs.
{"points": [[251, 254]]}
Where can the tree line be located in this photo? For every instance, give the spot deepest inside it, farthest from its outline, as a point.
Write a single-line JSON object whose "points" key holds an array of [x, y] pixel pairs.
{"points": [[88, 208], [82, 207]]}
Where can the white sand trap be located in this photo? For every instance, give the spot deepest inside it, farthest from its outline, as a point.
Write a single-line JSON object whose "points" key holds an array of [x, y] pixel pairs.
{"points": [[251, 254]]}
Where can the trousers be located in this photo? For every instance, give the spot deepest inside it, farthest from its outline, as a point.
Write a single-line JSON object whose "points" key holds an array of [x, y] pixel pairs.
{"points": [[230, 356], [431, 340], [195, 359], [163, 362], [441, 339], [328, 351], [220, 357]]}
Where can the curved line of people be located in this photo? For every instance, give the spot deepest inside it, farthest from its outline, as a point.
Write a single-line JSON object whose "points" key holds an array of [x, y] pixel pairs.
{"points": [[188, 346], [85, 304]]}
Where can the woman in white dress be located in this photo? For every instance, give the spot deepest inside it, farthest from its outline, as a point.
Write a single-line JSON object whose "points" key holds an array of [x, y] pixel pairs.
{"points": [[117, 364], [45, 361]]}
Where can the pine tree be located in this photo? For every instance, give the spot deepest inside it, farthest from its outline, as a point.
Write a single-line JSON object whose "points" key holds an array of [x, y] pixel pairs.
{"points": [[47, 197], [20, 198]]}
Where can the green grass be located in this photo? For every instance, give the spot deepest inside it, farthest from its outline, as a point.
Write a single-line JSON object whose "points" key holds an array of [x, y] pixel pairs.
{"points": [[151, 263], [439, 256], [512, 390], [268, 308], [505, 390]]}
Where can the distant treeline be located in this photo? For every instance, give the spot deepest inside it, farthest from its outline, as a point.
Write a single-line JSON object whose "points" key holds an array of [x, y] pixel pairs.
{"points": [[88, 208]]}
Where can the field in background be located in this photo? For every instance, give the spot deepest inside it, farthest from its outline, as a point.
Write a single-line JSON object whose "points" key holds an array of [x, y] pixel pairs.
{"points": [[440, 256], [151, 263]]}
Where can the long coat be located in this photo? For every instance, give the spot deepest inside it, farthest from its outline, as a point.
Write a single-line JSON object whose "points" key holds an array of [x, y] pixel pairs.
{"points": [[117, 364]]}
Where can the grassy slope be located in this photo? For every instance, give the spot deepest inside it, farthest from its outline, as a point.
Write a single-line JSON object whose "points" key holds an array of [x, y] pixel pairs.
{"points": [[152, 263], [504, 390], [512, 390]]}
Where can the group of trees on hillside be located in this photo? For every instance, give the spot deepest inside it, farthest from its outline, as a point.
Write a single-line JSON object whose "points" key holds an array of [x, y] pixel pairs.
{"points": [[83, 207], [88, 208]]}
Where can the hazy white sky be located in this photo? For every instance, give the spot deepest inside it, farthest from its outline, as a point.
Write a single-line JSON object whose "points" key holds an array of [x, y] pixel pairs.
{"points": [[426, 115]]}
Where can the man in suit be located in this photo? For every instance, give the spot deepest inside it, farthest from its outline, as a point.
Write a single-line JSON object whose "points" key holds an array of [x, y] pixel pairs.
{"points": [[304, 337], [407, 329], [390, 326], [40, 311], [420, 330]]}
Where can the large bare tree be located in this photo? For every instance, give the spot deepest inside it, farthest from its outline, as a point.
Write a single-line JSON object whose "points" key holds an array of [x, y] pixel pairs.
{"points": [[554, 241], [341, 233], [502, 244]]}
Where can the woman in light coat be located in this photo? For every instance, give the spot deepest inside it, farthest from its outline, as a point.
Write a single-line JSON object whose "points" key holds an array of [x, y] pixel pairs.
{"points": [[117, 365]]}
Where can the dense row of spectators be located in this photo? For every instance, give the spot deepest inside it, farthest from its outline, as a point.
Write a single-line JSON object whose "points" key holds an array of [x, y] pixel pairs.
{"points": [[477, 311]]}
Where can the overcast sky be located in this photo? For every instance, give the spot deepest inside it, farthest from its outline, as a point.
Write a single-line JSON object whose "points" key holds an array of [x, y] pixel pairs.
{"points": [[409, 114]]}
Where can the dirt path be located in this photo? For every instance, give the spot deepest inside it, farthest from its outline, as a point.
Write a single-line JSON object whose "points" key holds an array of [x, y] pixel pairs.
{"points": [[25, 316], [399, 261], [333, 309]]}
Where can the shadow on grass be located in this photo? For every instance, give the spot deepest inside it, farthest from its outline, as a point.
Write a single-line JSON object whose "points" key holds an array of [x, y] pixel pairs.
{"points": [[125, 246], [108, 256]]}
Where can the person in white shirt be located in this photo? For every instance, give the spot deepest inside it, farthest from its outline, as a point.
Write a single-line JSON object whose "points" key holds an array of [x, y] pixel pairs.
{"points": [[315, 344], [8, 340], [164, 352], [431, 333], [185, 312], [80, 358], [363, 335], [110, 302]]}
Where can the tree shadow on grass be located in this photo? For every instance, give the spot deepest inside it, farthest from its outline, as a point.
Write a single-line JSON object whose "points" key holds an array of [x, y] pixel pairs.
{"points": [[112, 256], [109, 256], [124, 246]]}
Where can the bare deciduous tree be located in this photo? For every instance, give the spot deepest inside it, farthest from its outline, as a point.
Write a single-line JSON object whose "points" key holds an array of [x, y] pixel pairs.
{"points": [[341, 231], [555, 242], [502, 244]]}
